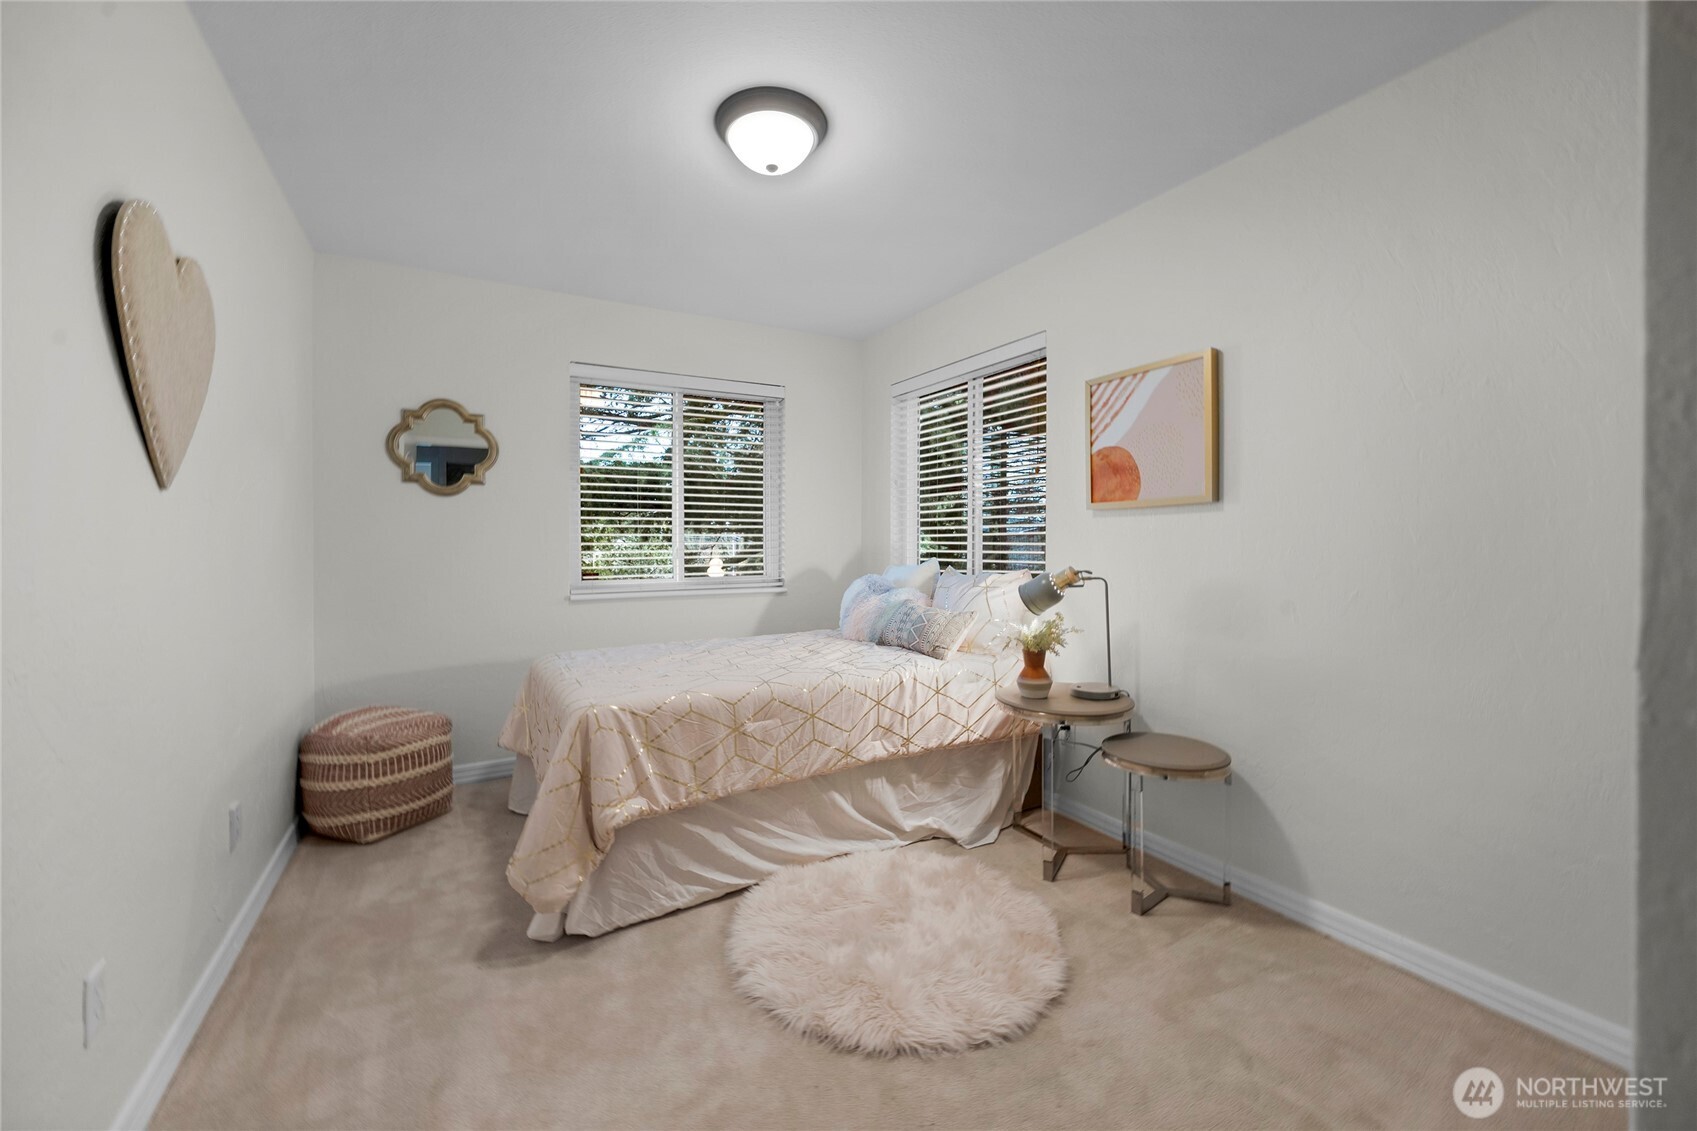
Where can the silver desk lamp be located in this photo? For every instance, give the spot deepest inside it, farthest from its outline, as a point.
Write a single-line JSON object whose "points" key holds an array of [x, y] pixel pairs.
{"points": [[1045, 591]]}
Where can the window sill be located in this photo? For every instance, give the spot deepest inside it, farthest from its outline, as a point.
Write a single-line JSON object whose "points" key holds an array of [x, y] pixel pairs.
{"points": [[621, 594]]}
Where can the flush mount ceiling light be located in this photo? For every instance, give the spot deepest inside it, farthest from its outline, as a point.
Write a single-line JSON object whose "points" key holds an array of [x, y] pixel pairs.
{"points": [[770, 129]]}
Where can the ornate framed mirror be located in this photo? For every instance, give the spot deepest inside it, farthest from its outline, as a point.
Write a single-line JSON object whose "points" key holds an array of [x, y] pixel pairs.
{"points": [[442, 447]]}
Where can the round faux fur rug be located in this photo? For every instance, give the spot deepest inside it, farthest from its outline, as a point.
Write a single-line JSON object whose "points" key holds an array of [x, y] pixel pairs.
{"points": [[897, 952]]}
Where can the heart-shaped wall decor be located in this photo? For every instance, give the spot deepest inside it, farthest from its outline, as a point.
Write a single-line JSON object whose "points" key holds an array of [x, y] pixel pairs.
{"points": [[165, 320]]}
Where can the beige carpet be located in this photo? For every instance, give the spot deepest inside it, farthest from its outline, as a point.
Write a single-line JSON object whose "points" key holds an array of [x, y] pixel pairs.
{"points": [[391, 985]]}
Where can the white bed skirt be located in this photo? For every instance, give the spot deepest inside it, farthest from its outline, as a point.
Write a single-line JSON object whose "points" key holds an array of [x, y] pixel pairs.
{"points": [[679, 859]]}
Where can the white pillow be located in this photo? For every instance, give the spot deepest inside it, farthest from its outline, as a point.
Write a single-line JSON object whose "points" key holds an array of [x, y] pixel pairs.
{"points": [[952, 585], [994, 597], [921, 576]]}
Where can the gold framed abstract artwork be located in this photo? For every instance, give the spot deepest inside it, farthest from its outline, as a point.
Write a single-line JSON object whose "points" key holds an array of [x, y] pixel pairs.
{"points": [[1154, 433]]}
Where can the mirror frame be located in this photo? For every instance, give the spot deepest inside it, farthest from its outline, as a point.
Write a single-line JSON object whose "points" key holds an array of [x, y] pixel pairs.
{"points": [[412, 418]]}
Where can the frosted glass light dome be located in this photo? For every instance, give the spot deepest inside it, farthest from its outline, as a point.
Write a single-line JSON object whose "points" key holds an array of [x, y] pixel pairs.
{"points": [[770, 129], [770, 142]]}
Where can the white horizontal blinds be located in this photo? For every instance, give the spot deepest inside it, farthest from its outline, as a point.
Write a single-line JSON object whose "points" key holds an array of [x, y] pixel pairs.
{"points": [[942, 476], [1013, 461], [970, 468], [625, 464], [904, 438], [726, 445], [678, 487]]}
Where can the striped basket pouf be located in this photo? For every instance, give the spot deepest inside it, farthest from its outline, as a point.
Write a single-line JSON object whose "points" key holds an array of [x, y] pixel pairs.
{"points": [[368, 773]]}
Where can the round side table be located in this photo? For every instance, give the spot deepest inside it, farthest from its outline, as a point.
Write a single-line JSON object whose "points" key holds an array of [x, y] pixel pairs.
{"points": [[1061, 710], [1168, 757]]}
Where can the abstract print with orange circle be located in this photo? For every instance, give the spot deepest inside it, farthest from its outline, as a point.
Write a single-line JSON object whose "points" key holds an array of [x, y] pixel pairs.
{"points": [[1149, 434]]}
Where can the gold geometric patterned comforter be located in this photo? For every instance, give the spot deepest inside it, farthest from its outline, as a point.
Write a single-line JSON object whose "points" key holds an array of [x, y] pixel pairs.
{"points": [[619, 734]]}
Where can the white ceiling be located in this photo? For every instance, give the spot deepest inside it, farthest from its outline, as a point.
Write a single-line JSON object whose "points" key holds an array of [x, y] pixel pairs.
{"points": [[570, 146]]}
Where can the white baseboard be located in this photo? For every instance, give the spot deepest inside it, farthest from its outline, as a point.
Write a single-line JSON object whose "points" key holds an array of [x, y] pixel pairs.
{"points": [[1601, 1038], [150, 1089], [465, 773]]}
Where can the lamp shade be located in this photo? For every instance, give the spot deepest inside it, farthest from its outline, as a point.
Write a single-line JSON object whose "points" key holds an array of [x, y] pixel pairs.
{"points": [[1044, 591], [771, 129], [1040, 594]]}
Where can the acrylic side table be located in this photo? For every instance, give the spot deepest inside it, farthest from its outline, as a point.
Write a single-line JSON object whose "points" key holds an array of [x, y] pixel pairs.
{"points": [[1061, 711], [1168, 757]]}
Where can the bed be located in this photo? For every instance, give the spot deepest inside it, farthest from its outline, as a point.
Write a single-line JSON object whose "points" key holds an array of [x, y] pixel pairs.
{"points": [[656, 777]]}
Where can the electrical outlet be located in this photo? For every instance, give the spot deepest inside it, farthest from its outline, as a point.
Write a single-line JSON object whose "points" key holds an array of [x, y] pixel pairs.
{"points": [[93, 1002], [235, 824]]}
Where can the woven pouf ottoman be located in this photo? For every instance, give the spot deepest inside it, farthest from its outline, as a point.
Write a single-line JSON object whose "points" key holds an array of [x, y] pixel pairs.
{"points": [[368, 773]]}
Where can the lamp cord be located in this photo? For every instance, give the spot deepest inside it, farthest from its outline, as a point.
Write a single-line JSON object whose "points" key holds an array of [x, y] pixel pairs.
{"points": [[1072, 775]]}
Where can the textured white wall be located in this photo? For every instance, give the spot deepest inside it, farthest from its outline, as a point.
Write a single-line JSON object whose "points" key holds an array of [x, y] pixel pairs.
{"points": [[442, 602], [158, 645], [1412, 617]]}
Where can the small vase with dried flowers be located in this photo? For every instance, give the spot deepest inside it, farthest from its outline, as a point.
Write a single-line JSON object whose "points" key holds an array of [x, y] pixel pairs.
{"points": [[1036, 641]]}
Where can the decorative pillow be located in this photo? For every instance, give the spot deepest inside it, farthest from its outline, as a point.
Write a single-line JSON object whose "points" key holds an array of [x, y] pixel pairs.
{"points": [[921, 576], [994, 598], [860, 587], [864, 618], [929, 631]]}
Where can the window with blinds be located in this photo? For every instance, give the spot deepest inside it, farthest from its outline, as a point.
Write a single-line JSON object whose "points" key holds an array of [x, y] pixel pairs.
{"points": [[679, 482], [969, 461]]}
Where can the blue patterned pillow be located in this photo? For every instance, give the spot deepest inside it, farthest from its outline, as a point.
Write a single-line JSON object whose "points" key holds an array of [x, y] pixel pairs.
{"points": [[921, 628]]}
